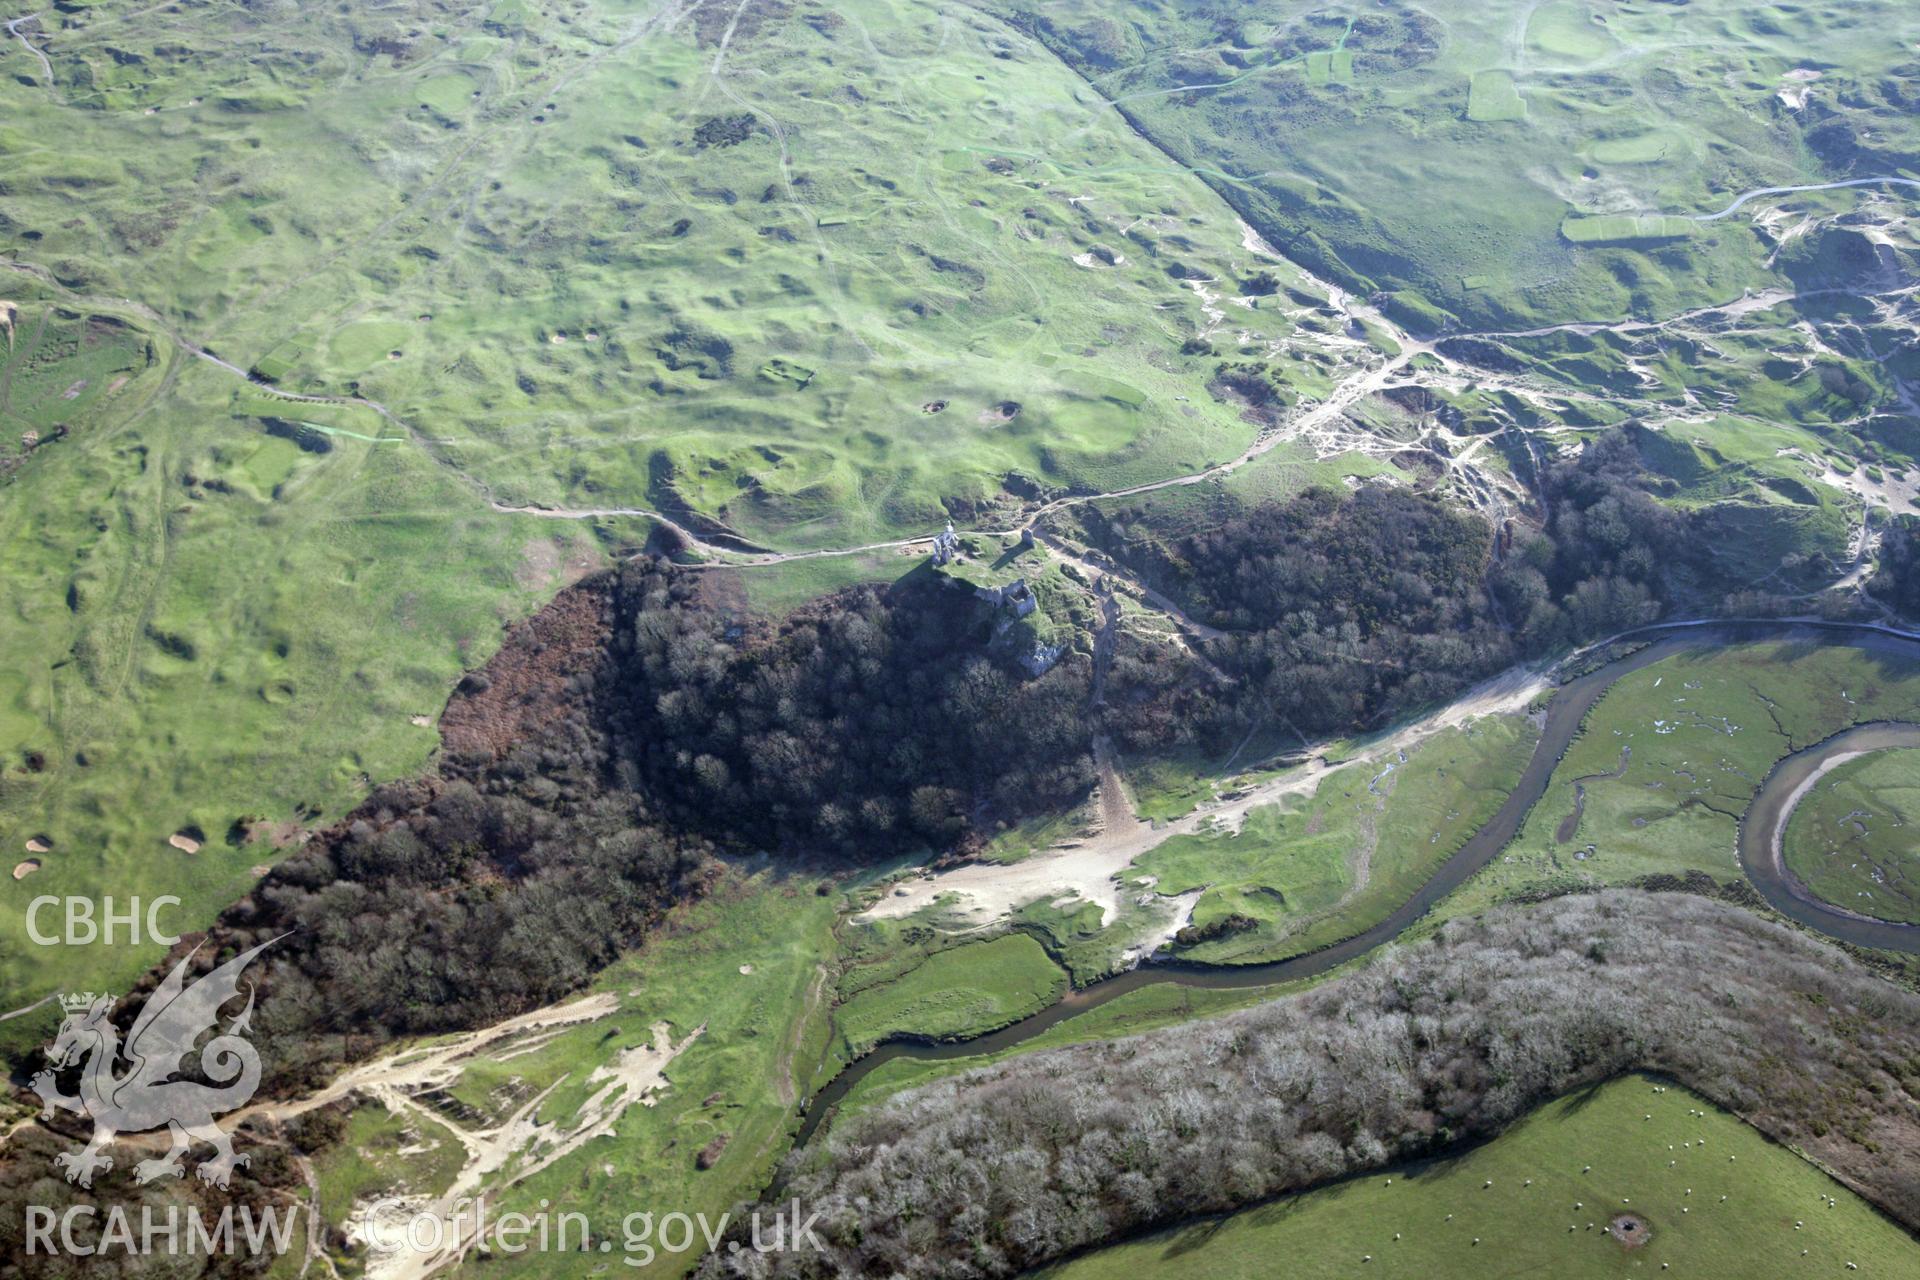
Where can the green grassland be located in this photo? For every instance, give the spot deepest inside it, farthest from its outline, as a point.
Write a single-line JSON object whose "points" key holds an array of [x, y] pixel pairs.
{"points": [[1491, 96], [63, 366], [1143, 1009], [1467, 135], [778, 589], [217, 617], [1717, 1200], [1622, 228], [1697, 734], [614, 264], [1850, 839], [953, 993], [384, 1153], [1310, 871], [817, 274]]}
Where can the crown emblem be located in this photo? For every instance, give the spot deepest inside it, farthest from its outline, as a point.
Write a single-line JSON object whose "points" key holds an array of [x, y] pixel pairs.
{"points": [[79, 1001]]}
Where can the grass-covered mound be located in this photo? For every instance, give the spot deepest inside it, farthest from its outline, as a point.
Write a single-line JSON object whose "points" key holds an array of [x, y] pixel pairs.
{"points": [[959, 992]]}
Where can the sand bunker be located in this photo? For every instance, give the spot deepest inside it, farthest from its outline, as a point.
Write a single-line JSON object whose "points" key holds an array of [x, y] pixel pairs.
{"points": [[39, 844], [22, 870], [184, 842]]}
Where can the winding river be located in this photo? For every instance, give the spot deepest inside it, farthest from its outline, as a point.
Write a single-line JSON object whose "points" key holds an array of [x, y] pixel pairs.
{"points": [[1764, 826], [1758, 844]]}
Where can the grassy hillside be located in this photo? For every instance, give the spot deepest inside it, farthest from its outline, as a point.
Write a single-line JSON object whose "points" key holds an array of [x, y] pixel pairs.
{"points": [[815, 275], [1709, 1195], [1500, 164]]}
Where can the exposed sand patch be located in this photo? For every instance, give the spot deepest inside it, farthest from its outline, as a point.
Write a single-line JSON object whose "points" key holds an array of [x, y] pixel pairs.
{"points": [[1089, 869], [1894, 491], [1181, 916], [522, 1145], [1778, 844], [39, 844], [184, 842], [22, 870], [436, 1065]]}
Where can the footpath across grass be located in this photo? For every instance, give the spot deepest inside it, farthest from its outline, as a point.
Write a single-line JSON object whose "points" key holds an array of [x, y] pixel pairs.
{"points": [[1708, 1197]]}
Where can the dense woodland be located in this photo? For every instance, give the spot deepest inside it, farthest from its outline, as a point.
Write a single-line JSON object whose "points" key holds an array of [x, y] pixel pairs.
{"points": [[1342, 610], [1606, 560], [632, 730], [1011, 1166], [877, 722], [453, 902]]}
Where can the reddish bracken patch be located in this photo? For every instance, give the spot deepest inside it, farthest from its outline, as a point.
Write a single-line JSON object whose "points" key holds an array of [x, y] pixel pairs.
{"points": [[524, 688]]}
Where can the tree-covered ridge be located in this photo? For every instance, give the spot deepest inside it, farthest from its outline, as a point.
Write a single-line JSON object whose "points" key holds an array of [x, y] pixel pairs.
{"points": [[633, 728], [1339, 610], [874, 722]]}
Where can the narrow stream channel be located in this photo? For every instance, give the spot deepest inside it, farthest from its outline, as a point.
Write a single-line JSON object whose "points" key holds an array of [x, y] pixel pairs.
{"points": [[1565, 715]]}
